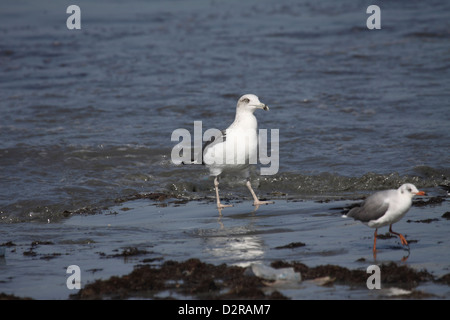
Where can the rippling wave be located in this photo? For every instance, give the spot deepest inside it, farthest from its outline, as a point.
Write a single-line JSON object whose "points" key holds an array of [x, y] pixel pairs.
{"points": [[86, 117]]}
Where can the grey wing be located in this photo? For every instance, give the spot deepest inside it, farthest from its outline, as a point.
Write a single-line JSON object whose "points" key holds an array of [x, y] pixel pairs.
{"points": [[373, 208], [213, 141]]}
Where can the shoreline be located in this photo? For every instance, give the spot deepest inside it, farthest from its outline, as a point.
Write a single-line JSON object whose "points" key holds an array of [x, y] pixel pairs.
{"points": [[193, 279], [223, 280]]}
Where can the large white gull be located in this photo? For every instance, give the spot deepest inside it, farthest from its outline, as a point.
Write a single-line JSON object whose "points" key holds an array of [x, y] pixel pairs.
{"points": [[236, 148]]}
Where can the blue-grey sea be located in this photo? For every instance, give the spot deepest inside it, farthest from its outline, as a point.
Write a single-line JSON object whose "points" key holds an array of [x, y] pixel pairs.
{"points": [[86, 118]]}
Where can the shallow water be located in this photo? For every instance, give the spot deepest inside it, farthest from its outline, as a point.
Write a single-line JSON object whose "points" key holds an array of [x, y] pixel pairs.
{"points": [[87, 115], [35, 264]]}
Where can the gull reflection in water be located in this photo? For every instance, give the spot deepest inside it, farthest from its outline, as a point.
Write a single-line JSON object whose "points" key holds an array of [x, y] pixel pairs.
{"points": [[239, 245]]}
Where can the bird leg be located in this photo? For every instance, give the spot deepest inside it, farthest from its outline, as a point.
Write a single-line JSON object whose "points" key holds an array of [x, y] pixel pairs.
{"points": [[402, 238], [256, 201], [375, 241], [375, 244], [219, 205]]}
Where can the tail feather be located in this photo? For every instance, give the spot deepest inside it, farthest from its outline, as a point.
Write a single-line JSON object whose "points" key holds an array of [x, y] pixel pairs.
{"points": [[353, 212]]}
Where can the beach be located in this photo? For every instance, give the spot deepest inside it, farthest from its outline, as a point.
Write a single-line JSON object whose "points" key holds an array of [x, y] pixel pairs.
{"points": [[89, 189]]}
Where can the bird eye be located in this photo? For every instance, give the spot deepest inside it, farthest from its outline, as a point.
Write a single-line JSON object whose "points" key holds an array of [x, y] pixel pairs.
{"points": [[245, 100], [409, 189]]}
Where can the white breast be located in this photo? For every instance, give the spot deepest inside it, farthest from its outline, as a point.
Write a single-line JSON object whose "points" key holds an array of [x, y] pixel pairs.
{"points": [[398, 206]]}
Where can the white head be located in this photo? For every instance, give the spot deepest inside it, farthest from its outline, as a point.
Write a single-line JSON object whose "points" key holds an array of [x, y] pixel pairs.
{"points": [[411, 190], [250, 102]]}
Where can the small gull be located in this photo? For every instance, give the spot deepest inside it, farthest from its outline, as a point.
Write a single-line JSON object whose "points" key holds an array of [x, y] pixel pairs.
{"points": [[236, 148], [385, 208]]}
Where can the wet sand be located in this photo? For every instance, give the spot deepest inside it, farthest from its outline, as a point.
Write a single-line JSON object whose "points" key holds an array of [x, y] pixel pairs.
{"points": [[198, 280], [154, 246]]}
